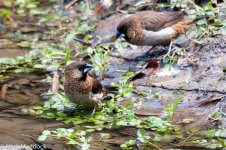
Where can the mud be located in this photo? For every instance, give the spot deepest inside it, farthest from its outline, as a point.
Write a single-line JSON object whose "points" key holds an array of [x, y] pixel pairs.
{"points": [[195, 79]]}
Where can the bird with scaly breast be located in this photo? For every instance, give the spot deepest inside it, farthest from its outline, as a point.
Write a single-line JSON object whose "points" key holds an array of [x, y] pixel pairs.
{"points": [[82, 88], [152, 28]]}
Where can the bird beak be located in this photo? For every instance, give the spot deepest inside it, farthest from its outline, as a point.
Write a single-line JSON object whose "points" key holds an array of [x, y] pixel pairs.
{"points": [[88, 67], [120, 35]]}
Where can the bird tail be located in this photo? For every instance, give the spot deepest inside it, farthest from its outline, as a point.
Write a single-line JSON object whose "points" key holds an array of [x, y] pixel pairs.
{"points": [[185, 25]]}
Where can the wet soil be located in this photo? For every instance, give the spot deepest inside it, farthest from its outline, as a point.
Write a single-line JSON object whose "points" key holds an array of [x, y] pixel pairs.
{"points": [[199, 79], [202, 84], [17, 127]]}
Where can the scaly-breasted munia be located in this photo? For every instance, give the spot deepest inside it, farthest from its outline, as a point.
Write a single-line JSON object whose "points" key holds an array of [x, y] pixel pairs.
{"points": [[153, 28], [80, 87]]}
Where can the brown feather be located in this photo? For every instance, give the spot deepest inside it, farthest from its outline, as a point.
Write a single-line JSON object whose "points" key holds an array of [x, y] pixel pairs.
{"points": [[156, 21], [96, 85], [153, 28], [82, 88]]}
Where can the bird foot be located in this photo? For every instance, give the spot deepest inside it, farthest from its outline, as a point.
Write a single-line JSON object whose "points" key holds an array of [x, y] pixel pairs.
{"points": [[73, 109], [93, 112], [169, 50]]}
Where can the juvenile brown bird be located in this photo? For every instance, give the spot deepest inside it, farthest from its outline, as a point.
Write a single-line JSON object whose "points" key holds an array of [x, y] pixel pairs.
{"points": [[153, 28], [80, 87]]}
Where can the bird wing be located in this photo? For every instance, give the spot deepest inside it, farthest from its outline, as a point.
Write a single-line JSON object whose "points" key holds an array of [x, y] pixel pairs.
{"points": [[97, 86], [155, 21]]}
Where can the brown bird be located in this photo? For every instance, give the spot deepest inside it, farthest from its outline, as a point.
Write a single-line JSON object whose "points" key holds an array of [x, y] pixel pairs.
{"points": [[153, 28], [80, 87]]}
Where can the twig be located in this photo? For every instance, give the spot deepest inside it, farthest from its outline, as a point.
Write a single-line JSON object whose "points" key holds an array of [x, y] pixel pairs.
{"points": [[10, 18], [124, 133], [70, 4], [116, 55], [4, 91], [193, 40], [101, 146], [191, 61], [186, 139], [28, 136], [198, 8], [56, 82], [121, 11], [154, 145], [173, 89], [83, 42]]}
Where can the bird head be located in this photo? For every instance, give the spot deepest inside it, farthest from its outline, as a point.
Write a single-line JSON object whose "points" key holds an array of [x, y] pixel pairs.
{"points": [[122, 30], [126, 29], [77, 70]]}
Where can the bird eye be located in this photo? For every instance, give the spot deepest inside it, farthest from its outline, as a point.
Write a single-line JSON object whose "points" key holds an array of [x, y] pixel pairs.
{"points": [[81, 67]]}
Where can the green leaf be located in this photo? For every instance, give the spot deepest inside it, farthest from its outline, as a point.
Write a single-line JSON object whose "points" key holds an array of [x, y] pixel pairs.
{"points": [[8, 3], [67, 56], [143, 136], [7, 61], [48, 116], [61, 114], [209, 6], [73, 142], [121, 123], [70, 37], [46, 132], [90, 130], [105, 135], [170, 109], [37, 108], [157, 138], [220, 133], [134, 122], [222, 141], [76, 122], [31, 5], [5, 12], [85, 146], [42, 138], [24, 44], [128, 144]]}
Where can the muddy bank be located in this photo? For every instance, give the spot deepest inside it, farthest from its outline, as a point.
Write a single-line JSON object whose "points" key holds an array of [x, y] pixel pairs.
{"points": [[197, 77]]}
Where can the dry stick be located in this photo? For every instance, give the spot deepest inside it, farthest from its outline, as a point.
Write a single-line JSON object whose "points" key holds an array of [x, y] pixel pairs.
{"points": [[152, 144], [196, 6], [184, 89], [83, 42], [193, 40], [55, 82], [101, 146], [10, 19], [124, 133], [186, 139], [70, 4], [135, 136], [121, 11], [4, 91], [191, 61], [37, 142]]}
